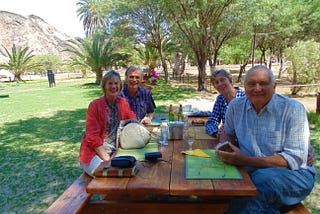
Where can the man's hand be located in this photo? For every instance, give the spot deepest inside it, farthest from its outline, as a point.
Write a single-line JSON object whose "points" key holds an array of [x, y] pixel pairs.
{"points": [[310, 156], [235, 157]]}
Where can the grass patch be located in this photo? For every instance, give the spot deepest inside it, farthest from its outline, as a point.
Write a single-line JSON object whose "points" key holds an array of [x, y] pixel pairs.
{"points": [[40, 133], [312, 201]]}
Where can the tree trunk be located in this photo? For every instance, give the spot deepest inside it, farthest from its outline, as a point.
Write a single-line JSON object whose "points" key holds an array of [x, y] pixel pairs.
{"points": [[281, 64], [164, 65], [98, 76], [202, 74], [17, 77], [253, 48], [242, 69]]}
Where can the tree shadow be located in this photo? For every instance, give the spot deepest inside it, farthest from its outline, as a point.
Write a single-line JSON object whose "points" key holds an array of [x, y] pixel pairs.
{"points": [[39, 160]]}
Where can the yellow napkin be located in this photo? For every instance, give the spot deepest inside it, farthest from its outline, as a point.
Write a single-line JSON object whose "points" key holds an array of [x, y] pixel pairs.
{"points": [[196, 152]]}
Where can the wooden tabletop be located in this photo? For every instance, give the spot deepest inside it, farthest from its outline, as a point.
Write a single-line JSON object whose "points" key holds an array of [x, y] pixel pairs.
{"points": [[167, 177]]}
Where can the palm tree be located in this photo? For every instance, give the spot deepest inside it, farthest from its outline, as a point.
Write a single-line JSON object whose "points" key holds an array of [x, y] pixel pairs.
{"points": [[97, 53], [148, 56], [93, 14], [19, 61]]}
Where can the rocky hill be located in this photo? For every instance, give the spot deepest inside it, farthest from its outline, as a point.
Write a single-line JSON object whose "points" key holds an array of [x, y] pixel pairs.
{"points": [[32, 32]]}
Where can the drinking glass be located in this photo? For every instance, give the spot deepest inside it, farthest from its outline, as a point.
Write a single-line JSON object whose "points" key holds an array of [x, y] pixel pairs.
{"points": [[190, 136]]}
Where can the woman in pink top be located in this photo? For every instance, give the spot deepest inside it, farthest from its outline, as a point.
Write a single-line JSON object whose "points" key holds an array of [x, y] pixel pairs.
{"points": [[154, 76], [102, 121]]}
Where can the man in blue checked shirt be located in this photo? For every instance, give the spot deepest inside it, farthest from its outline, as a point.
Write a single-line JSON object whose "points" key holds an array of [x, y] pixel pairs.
{"points": [[139, 98], [272, 134]]}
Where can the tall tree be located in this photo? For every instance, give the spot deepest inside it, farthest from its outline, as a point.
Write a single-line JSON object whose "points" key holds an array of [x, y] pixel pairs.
{"points": [[19, 61], [229, 26], [197, 21], [94, 16], [147, 20]]}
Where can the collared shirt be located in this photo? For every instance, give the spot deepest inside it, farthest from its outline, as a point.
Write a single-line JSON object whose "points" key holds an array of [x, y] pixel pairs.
{"points": [[142, 103], [281, 128], [219, 112]]}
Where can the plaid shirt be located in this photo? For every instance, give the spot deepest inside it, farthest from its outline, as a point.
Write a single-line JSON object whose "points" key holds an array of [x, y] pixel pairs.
{"points": [[142, 103], [219, 112]]}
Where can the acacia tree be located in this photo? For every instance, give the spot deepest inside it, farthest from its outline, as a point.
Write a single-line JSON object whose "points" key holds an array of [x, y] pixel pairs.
{"points": [[146, 20], [196, 21], [229, 26], [276, 25], [305, 68], [19, 61]]}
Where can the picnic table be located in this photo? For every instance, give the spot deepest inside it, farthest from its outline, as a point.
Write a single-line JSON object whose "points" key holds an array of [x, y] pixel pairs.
{"points": [[160, 187]]}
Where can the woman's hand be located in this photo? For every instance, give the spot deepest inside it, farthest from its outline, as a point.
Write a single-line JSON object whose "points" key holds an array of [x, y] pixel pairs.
{"points": [[102, 153], [146, 120]]}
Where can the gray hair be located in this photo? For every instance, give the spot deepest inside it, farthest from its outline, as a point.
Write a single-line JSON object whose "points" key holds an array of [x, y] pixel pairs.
{"points": [[110, 75], [260, 68], [222, 72], [131, 69]]}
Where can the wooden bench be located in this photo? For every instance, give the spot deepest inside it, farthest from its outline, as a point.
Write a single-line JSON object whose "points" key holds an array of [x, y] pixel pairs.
{"points": [[295, 209], [75, 199]]}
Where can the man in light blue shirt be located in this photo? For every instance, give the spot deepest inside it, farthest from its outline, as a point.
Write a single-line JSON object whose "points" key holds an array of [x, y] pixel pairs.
{"points": [[272, 134]]}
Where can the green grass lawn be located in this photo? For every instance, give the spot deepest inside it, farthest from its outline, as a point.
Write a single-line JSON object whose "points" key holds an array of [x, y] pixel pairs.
{"points": [[40, 134]]}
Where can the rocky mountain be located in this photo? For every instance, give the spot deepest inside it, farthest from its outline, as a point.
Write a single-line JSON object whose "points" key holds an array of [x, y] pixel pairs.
{"points": [[32, 32]]}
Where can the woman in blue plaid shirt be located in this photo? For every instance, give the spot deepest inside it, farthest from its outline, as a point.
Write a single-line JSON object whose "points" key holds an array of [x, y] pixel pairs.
{"points": [[222, 81]]}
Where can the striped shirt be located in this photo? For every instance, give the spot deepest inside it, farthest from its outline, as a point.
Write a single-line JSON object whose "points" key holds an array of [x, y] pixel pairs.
{"points": [[219, 112], [281, 128], [141, 104]]}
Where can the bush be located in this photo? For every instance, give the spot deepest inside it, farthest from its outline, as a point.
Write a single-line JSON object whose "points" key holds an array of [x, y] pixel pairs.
{"points": [[305, 68]]}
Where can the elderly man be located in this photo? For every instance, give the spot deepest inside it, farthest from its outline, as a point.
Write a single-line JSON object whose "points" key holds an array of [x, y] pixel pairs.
{"points": [[139, 98], [272, 135]]}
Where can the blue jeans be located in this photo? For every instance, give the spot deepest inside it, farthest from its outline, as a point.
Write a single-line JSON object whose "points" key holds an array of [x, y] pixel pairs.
{"points": [[276, 187]]}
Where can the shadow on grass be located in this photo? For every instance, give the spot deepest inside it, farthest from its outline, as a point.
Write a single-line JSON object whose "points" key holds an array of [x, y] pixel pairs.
{"points": [[39, 160]]}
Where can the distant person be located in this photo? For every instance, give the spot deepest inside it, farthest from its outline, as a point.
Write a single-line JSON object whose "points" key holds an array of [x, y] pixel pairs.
{"points": [[154, 76], [271, 132], [139, 98], [102, 121], [222, 82]]}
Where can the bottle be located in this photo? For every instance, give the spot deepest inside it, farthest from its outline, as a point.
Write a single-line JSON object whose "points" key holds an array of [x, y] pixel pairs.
{"points": [[164, 134], [171, 113], [180, 113]]}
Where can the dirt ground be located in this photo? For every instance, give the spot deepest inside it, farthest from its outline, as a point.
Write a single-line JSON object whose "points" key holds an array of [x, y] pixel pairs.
{"points": [[205, 99]]}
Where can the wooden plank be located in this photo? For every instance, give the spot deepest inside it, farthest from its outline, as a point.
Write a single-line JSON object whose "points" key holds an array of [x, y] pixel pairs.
{"points": [[120, 207], [298, 85], [152, 178], [242, 187], [295, 209], [73, 199]]}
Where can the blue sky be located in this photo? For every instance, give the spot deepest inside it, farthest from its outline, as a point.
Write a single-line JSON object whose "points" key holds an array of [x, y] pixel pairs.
{"points": [[59, 13]]}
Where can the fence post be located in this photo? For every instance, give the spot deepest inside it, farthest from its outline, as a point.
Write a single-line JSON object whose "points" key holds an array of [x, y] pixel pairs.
{"points": [[318, 103]]}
